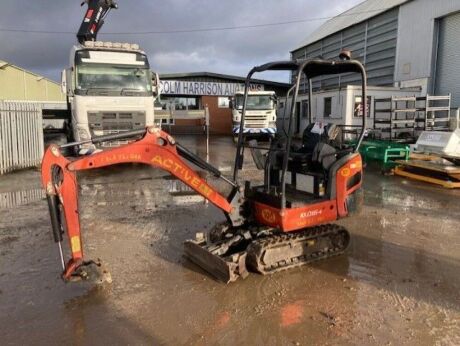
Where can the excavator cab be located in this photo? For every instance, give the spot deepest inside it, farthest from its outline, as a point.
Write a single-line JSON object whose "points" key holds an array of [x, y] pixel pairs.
{"points": [[297, 177], [305, 187]]}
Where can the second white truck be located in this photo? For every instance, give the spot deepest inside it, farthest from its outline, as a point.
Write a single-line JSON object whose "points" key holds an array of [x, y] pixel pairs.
{"points": [[260, 120]]}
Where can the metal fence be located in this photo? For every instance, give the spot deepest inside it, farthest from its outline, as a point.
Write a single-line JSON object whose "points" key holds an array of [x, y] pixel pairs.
{"points": [[16, 198], [21, 135]]}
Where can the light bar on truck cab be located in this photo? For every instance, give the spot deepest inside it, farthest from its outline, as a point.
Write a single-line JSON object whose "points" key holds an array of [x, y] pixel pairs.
{"points": [[112, 45], [123, 58]]}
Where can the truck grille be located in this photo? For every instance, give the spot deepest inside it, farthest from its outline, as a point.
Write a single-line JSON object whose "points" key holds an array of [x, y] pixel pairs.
{"points": [[106, 123], [255, 121]]}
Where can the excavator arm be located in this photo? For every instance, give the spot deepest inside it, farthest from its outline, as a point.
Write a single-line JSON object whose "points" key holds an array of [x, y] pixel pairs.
{"points": [[155, 148], [94, 18]]}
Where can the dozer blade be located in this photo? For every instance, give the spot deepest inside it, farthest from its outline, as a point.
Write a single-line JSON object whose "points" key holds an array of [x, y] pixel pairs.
{"points": [[224, 268]]}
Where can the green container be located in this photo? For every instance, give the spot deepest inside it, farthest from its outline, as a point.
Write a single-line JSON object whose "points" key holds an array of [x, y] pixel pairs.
{"points": [[384, 151]]}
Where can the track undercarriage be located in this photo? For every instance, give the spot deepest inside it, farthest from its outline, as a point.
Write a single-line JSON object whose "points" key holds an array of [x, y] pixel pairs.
{"points": [[227, 253]]}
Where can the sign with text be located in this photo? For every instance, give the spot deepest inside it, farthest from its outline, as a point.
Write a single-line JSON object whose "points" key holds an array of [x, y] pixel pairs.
{"points": [[175, 87], [358, 109]]}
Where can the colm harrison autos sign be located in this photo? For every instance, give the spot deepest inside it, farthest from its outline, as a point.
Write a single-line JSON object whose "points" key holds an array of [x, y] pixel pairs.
{"points": [[174, 87]]}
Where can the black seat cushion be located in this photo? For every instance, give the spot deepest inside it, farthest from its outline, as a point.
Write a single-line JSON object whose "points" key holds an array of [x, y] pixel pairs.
{"points": [[325, 155]]}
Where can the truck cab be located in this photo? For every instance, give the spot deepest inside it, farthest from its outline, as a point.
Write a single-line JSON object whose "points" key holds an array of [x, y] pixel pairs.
{"points": [[109, 90], [260, 120]]}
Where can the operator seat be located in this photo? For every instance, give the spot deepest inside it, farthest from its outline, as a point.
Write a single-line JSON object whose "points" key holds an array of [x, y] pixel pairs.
{"points": [[314, 153], [316, 149]]}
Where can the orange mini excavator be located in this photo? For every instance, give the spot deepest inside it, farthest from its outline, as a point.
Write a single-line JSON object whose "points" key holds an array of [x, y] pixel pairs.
{"points": [[283, 223]]}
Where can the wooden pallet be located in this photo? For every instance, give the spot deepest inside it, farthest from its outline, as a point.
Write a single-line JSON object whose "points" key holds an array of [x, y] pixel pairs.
{"points": [[430, 169]]}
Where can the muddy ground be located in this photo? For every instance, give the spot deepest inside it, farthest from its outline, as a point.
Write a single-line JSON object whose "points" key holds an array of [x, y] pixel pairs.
{"points": [[398, 284]]}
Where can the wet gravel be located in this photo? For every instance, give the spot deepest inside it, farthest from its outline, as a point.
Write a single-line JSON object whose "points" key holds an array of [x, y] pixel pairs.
{"points": [[397, 285]]}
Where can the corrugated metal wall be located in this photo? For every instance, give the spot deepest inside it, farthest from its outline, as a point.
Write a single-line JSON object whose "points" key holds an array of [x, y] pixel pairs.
{"points": [[448, 61], [417, 38], [18, 84], [373, 42]]}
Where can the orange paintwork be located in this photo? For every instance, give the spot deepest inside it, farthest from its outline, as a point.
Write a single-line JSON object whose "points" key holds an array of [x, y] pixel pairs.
{"points": [[346, 172], [293, 219], [156, 149]]}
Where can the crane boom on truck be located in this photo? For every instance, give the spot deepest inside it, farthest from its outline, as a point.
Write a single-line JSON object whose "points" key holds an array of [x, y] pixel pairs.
{"points": [[94, 18], [108, 85]]}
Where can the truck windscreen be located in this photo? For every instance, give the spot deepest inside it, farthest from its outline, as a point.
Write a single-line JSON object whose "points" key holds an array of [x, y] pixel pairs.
{"points": [[255, 102], [114, 79]]}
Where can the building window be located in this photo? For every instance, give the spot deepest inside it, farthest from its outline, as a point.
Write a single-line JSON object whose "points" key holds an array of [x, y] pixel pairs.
{"points": [[223, 102], [180, 103], [167, 122], [193, 103], [305, 109], [327, 107]]}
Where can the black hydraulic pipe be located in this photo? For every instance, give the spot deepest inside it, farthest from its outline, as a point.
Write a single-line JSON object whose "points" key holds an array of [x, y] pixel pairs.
{"points": [[310, 100], [123, 135], [198, 161], [53, 203], [107, 138]]}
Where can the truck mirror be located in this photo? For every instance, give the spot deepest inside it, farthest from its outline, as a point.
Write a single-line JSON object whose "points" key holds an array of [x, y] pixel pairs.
{"points": [[230, 103], [64, 82], [156, 85], [68, 82]]}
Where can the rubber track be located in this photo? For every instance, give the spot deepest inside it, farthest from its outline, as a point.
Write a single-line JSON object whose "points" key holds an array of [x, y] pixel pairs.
{"points": [[258, 248]]}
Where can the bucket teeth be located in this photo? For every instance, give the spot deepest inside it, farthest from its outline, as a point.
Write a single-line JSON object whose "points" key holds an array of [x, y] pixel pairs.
{"points": [[224, 268]]}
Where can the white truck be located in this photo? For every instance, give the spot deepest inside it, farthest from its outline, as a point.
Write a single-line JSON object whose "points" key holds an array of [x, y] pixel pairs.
{"points": [[108, 85], [260, 120]]}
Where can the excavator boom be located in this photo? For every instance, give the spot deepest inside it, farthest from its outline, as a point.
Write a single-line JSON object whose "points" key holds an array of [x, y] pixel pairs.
{"points": [[156, 148]]}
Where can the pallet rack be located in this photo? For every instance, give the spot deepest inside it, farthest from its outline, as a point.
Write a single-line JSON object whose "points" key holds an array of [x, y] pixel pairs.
{"points": [[395, 118], [433, 113], [402, 119]]}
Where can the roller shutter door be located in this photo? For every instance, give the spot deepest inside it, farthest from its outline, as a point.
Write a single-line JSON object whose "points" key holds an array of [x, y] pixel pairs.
{"points": [[448, 63]]}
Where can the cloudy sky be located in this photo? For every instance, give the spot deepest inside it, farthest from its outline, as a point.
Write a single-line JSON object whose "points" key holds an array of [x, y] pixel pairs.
{"points": [[221, 51]]}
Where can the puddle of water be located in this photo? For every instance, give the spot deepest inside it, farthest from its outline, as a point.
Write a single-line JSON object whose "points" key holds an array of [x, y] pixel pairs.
{"points": [[151, 194]]}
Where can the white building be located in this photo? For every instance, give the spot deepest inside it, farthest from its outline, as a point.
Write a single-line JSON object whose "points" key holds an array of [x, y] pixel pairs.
{"points": [[403, 43]]}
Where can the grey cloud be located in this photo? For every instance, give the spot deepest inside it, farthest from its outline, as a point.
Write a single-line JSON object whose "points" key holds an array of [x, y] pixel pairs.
{"points": [[232, 52]]}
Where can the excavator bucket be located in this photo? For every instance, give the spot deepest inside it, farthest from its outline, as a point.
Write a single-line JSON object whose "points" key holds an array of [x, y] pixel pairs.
{"points": [[224, 268]]}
